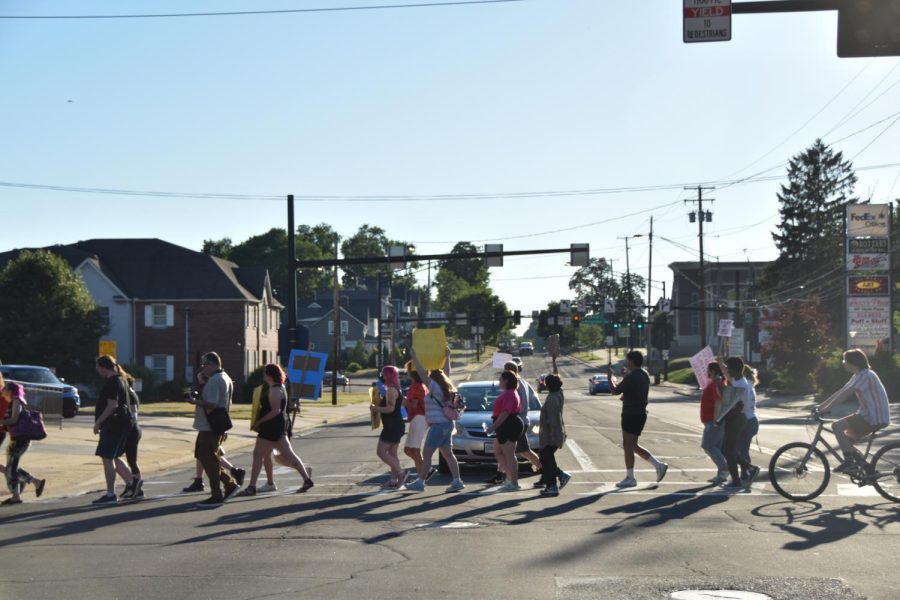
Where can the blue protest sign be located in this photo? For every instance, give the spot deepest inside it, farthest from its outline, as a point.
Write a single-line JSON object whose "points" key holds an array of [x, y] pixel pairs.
{"points": [[306, 371]]}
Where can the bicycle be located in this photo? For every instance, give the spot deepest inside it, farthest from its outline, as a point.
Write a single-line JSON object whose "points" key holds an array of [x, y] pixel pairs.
{"points": [[800, 471]]}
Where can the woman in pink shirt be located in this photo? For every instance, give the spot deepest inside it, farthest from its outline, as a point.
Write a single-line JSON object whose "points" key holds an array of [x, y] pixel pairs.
{"points": [[509, 427]]}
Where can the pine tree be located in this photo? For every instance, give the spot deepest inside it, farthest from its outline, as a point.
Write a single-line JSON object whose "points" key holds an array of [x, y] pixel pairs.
{"points": [[811, 232]]}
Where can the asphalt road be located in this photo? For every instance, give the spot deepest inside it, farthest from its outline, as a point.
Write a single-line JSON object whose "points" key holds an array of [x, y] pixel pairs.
{"points": [[347, 538]]}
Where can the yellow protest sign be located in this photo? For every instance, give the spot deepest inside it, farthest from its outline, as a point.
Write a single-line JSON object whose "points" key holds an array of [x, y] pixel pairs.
{"points": [[107, 347], [375, 398], [431, 347], [254, 408]]}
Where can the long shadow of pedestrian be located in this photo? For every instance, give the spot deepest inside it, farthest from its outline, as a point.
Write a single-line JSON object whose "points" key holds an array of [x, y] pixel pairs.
{"points": [[664, 508], [820, 527]]}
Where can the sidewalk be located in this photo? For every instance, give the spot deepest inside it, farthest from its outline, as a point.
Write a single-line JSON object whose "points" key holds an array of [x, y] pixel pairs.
{"points": [[66, 457]]}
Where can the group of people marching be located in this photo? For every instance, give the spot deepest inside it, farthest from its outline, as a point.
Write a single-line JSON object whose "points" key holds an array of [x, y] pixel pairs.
{"points": [[727, 411]]}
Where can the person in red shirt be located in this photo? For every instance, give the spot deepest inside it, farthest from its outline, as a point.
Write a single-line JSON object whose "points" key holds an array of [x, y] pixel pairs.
{"points": [[710, 403], [415, 415], [508, 425]]}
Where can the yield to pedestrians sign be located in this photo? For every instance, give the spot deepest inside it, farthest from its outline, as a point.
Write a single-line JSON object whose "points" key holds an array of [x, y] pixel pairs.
{"points": [[707, 21]]}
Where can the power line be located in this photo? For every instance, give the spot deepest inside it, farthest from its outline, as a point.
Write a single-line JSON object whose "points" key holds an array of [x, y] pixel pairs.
{"points": [[237, 13]]}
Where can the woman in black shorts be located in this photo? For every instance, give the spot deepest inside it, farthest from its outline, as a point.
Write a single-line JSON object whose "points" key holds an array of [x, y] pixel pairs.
{"points": [[271, 428], [392, 425], [508, 425]]}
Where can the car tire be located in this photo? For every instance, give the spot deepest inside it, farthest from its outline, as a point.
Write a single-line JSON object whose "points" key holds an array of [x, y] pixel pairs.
{"points": [[69, 410]]}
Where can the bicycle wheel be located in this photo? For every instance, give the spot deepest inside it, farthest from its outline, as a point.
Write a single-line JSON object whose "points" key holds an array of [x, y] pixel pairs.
{"points": [[796, 479], [887, 472]]}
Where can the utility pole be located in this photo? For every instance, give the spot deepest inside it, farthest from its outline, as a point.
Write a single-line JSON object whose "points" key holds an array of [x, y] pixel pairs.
{"points": [[648, 325], [628, 292], [292, 280], [337, 328], [701, 216]]}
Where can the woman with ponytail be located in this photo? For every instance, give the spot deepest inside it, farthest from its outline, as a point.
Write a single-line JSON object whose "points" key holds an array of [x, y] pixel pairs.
{"points": [[112, 421]]}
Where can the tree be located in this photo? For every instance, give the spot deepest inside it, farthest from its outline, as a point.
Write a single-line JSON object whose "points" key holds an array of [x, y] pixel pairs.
{"points": [[221, 248], [47, 316], [369, 241], [589, 337], [595, 282], [811, 232], [799, 341], [562, 326]]}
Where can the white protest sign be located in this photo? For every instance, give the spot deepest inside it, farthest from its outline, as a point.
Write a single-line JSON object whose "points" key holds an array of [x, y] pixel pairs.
{"points": [[700, 363], [500, 359], [553, 344], [725, 326]]}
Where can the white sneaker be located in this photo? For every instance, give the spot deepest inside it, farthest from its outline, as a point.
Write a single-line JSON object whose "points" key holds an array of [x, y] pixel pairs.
{"points": [[456, 485], [661, 471], [627, 483], [268, 487]]}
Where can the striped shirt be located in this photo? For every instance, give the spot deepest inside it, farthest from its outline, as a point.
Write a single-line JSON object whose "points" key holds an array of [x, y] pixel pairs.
{"points": [[434, 413], [873, 400]]}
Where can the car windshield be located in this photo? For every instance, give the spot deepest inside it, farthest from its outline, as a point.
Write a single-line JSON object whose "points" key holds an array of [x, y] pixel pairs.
{"points": [[30, 375], [480, 398], [598, 377]]}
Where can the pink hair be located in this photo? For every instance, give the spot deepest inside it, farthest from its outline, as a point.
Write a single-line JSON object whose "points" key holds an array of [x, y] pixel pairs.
{"points": [[16, 390], [391, 376]]}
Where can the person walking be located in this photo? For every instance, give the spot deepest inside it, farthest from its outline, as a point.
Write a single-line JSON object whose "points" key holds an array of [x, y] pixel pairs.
{"points": [[415, 414], [271, 428], [4, 409], [508, 426], [873, 413], [635, 391], [731, 415], [216, 394], [751, 424], [710, 403], [440, 428], [16, 478], [134, 491], [392, 427], [112, 422], [527, 397], [552, 435]]}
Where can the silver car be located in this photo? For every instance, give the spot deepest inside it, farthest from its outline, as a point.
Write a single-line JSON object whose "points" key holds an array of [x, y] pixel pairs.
{"points": [[471, 445]]}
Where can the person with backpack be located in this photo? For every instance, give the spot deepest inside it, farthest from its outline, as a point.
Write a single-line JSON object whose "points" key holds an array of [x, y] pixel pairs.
{"points": [[635, 391], [392, 426], [441, 394], [16, 479], [134, 491], [112, 421]]}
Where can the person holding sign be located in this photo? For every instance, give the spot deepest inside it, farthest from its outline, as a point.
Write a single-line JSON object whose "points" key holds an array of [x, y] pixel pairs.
{"points": [[392, 426], [735, 396], [440, 428]]}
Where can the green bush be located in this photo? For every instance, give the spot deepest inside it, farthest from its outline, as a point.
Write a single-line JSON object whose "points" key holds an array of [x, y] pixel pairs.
{"points": [[831, 376], [170, 391], [354, 367], [149, 382]]}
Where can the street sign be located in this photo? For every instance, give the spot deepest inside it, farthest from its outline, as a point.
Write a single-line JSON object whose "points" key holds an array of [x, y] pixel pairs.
{"points": [[493, 261], [564, 306], [707, 21], [595, 320], [107, 347], [609, 341], [609, 305]]}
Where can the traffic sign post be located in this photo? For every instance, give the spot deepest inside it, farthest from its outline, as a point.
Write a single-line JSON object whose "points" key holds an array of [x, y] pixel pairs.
{"points": [[707, 21]]}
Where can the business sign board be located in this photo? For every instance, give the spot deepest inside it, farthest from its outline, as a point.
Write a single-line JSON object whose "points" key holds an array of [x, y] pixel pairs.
{"points": [[736, 344], [878, 245], [869, 322], [868, 220], [873, 285], [707, 21], [868, 262]]}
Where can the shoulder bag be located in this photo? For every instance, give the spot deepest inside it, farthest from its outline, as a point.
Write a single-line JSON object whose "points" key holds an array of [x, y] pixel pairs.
{"points": [[218, 419], [30, 425]]}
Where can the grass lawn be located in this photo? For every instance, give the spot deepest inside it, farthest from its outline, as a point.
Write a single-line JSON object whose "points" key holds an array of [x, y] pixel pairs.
{"points": [[242, 411]]}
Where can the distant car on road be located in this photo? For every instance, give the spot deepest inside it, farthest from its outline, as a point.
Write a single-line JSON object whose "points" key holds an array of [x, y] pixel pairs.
{"points": [[44, 377], [471, 445], [542, 383], [526, 349], [341, 378], [598, 384], [503, 347]]}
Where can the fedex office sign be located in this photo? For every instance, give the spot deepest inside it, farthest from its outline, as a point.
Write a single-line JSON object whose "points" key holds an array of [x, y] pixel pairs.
{"points": [[868, 220]]}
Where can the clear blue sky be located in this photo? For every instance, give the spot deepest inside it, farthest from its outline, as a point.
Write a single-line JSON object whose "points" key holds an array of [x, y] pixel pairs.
{"points": [[541, 95]]}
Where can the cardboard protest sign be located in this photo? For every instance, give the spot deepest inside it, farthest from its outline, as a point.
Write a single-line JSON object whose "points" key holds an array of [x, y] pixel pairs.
{"points": [[306, 371], [553, 344], [375, 398], [500, 359], [700, 362], [725, 326], [431, 347]]}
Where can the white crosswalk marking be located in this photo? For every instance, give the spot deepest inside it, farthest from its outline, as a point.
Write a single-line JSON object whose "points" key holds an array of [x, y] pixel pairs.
{"points": [[584, 461]]}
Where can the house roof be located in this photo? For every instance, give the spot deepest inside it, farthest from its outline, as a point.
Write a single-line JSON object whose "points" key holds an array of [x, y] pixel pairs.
{"points": [[150, 269]]}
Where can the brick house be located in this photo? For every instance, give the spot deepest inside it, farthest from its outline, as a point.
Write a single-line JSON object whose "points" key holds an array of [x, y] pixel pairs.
{"points": [[167, 305]]}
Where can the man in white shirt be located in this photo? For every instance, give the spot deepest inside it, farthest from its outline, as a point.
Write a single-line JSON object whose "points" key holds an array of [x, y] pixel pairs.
{"points": [[873, 413]]}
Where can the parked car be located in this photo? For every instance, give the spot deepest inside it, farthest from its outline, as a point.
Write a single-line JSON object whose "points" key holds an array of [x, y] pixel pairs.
{"points": [[526, 349], [341, 378], [44, 377], [598, 384], [471, 445], [503, 347], [542, 383]]}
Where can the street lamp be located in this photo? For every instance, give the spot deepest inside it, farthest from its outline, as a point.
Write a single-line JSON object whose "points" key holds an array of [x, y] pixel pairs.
{"points": [[628, 286]]}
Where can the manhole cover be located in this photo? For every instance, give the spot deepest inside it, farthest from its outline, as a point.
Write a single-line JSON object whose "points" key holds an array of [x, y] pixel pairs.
{"points": [[717, 595], [448, 525]]}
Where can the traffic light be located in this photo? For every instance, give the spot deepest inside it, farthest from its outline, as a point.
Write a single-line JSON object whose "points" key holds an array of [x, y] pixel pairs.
{"points": [[576, 320], [640, 323], [616, 325], [517, 317], [869, 28]]}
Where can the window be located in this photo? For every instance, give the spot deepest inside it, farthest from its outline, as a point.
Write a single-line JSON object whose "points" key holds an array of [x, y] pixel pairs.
{"points": [[162, 365], [103, 311], [265, 319], [345, 327], [159, 316]]}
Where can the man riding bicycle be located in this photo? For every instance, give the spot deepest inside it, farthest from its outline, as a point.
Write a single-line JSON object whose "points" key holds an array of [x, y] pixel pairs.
{"points": [[873, 413]]}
